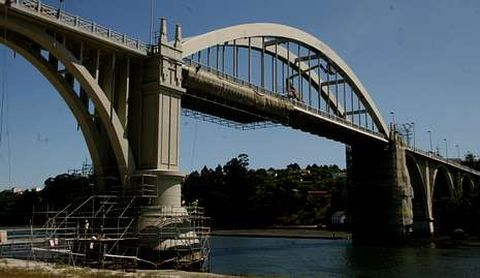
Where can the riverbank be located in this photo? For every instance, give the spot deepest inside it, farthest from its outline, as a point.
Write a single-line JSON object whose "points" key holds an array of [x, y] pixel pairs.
{"points": [[13, 268], [296, 232]]}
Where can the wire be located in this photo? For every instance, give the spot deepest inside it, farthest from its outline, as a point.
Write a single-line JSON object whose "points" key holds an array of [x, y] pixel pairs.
{"points": [[4, 122], [3, 92], [194, 144], [2, 103], [151, 23]]}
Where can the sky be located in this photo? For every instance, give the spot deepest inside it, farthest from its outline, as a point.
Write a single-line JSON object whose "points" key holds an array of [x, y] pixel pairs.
{"points": [[417, 59]]}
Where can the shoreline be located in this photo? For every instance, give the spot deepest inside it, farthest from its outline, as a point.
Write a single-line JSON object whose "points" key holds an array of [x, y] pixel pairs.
{"points": [[31, 269], [312, 233], [307, 233]]}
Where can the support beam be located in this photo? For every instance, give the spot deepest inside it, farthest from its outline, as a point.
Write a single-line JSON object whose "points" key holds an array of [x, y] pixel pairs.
{"points": [[308, 57], [274, 42], [333, 82], [123, 89], [356, 112]]}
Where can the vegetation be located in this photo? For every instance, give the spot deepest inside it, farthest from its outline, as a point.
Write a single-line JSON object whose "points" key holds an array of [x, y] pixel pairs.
{"points": [[20, 269], [16, 209], [471, 161], [233, 195], [236, 196]]}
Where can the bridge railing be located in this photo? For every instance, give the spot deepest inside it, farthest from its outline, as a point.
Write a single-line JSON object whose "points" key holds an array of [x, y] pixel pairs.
{"points": [[444, 160], [335, 118], [55, 14], [261, 90]]}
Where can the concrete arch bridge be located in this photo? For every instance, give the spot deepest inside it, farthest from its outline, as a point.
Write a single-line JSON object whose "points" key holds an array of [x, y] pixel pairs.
{"points": [[127, 97]]}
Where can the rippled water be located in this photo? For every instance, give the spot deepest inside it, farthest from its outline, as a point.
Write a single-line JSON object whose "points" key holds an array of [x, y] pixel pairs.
{"points": [[288, 257]]}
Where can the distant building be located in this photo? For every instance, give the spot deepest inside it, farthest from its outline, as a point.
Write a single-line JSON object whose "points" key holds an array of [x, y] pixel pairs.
{"points": [[339, 218], [17, 190], [340, 175]]}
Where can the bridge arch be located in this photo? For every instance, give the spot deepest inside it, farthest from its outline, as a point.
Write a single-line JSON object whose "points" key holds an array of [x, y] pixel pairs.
{"points": [[78, 109], [442, 199], [443, 182], [311, 55], [20, 33], [419, 202], [467, 185]]}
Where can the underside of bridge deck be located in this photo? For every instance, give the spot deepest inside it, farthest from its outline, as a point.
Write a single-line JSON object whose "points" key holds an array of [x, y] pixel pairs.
{"points": [[210, 94]]}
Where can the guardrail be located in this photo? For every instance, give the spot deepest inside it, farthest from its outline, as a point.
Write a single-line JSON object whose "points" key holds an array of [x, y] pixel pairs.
{"points": [[236, 80], [444, 160], [57, 15]]}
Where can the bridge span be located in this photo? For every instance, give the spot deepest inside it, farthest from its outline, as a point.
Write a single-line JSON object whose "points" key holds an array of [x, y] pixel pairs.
{"points": [[127, 97]]}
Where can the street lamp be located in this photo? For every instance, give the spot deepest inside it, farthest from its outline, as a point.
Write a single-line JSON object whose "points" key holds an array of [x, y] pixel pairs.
{"points": [[446, 148], [414, 143], [393, 119], [430, 137]]}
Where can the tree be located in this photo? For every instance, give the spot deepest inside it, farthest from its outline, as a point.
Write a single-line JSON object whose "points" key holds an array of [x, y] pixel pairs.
{"points": [[471, 161], [65, 189], [235, 196]]}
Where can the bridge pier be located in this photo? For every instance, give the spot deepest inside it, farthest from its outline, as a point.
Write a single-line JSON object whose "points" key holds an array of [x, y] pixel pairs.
{"points": [[380, 194], [155, 117]]}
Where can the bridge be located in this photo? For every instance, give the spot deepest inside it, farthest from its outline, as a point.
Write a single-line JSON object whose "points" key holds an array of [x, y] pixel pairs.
{"points": [[127, 97]]}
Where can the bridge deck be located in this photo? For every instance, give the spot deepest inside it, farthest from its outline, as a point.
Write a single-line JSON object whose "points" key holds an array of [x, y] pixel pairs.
{"points": [[36, 10], [217, 90]]}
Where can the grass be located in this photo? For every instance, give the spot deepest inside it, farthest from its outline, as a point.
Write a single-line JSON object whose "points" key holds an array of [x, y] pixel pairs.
{"points": [[15, 272], [73, 272]]}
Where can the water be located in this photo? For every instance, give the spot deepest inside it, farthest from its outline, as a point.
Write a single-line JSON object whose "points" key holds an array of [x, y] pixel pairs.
{"points": [[288, 257]]}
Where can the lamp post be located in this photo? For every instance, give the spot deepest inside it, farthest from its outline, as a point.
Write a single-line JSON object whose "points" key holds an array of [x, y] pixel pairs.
{"points": [[458, 151], [413, 127], [430, 137], [446, 148], [393, 119]]}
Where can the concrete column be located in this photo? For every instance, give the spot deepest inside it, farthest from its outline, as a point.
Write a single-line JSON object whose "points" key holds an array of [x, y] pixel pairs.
{"points": [[157, 152], [428, 225], [123, 90], [160, 129], [380, 194], [429, 184]]}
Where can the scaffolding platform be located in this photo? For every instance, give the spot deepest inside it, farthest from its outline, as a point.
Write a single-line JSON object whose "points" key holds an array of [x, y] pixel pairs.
{"points": [[102, 232]]}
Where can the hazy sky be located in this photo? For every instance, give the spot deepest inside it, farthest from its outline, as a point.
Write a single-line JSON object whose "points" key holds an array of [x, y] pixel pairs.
{"points": [[419, 59]]}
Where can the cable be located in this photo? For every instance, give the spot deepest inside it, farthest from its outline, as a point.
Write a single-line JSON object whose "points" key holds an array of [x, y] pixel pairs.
{"points": [[4, 121], [3, 92], [194, 145], [151, 23]]}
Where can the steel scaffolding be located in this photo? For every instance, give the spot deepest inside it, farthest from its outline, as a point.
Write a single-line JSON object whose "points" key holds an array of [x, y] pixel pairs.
{"points": [[102, 232]]}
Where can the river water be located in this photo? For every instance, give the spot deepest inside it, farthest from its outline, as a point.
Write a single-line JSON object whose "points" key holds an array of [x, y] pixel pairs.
{"points": [[291, 257]]}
